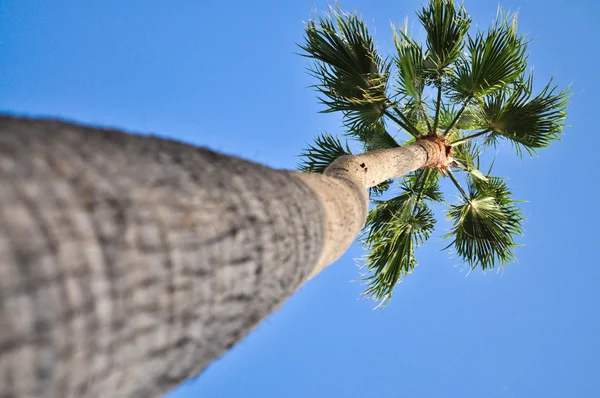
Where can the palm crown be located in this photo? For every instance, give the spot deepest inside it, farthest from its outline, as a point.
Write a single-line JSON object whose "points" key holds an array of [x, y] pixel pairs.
{"points": [[469, 89]]}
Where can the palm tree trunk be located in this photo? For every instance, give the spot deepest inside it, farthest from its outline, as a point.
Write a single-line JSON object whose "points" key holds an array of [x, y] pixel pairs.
{"points": [[128, 263]]}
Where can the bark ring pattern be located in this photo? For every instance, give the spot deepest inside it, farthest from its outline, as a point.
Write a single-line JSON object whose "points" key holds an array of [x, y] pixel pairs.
{"points": [[440, 146]]}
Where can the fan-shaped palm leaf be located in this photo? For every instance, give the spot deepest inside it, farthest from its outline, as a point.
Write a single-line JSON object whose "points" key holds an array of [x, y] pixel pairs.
{"points": [[353, 76], [395, 233], [467, 158], [529, 122], [470, 118], [395, 228], [446, 27], [486, 224], [410, 64], [495, 60], [317, 157]]}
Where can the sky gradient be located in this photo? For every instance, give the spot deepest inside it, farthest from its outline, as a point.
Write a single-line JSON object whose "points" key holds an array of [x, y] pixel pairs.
{"points": [[226, 75]]}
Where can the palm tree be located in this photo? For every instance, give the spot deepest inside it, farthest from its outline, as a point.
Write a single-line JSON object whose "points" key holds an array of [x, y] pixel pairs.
{"points": [[463, 91], [128, 263]]}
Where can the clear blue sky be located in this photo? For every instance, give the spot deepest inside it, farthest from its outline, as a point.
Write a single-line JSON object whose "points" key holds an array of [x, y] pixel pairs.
{"points": [[224, 74]]}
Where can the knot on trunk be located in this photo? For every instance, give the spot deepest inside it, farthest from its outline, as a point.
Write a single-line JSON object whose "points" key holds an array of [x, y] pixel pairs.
{"points": [[439, 151]]}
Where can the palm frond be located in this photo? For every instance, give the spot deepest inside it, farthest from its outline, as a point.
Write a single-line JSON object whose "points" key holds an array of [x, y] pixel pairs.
{"points": [[495, 60], [353, 77], [424, 184], [373, 136], [417, 112], [325, 150], [467, 157], [409, 62], [485, 226], [395, 232], [395, 228], [446, 26], [530, 123], [470, 119]]}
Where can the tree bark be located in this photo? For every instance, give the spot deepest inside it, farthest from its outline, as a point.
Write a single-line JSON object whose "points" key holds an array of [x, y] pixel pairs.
{"points": [[128, 263]]}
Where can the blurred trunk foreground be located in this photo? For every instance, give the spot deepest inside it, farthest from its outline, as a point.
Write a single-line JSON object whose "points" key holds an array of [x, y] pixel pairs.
{"points": [[129, 263]]}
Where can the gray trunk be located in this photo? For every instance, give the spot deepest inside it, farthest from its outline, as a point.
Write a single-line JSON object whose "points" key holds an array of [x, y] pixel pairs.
{"points": [[128, 263]]}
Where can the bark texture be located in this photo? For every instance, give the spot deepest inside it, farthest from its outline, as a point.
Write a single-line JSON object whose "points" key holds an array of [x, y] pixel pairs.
{"points": [[372, 168], [128, 263]]}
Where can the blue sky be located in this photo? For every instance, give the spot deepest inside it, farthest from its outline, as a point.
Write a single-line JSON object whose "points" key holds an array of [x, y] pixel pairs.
{"points": [[225, 75]]}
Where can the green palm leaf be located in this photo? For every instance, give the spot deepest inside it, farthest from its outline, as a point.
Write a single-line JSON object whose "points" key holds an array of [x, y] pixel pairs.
{"points": [[470, 119], [353, 77], [395, 228], [467, 157], [485, 226], [410, 63], [530, 123], [373, 136], [395, 233], [495, 60], [317, 157], [446, 27], [424, 185]]}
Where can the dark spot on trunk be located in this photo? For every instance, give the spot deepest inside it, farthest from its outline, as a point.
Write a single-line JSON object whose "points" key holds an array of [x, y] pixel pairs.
{"points": [[362, 165]]}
